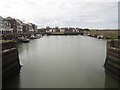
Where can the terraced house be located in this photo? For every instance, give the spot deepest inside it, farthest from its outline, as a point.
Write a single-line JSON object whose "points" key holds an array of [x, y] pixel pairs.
{"points": [[5, 27], [19, 26], [12, 22], [31, 28]]}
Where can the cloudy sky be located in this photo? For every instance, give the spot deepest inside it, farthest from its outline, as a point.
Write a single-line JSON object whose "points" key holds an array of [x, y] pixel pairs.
{"points": [[78, 13]]}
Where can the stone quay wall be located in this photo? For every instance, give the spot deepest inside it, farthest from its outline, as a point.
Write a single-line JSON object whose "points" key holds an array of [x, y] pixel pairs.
{"points": [[10, 61], [112, 63]]}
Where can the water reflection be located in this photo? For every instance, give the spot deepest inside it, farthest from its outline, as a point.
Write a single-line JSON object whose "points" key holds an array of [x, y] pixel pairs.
{"points": [[17, 84], [14, 82], [108, 83], [63, 62]]}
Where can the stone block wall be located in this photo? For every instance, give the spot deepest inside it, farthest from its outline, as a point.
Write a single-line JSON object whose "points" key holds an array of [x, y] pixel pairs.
{"points": [[10, 61], [112, 63]]}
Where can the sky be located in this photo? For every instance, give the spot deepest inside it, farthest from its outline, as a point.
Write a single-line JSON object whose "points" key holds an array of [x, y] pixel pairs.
{"points": [[94, 14]]}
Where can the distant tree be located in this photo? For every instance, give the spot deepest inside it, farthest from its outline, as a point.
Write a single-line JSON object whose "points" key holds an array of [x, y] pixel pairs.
{"points": [[41, 30], [57, 29], [47, 28], [86, 29], [80, 29]]}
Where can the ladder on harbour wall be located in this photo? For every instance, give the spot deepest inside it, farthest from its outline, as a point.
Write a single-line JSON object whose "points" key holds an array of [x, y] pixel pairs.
{"points": [[112, 63], [10, 61]]}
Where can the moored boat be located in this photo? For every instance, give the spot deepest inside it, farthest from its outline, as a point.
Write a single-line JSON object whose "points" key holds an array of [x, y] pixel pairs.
{"points": [[33, 37], [23, 39], [100, 37]]}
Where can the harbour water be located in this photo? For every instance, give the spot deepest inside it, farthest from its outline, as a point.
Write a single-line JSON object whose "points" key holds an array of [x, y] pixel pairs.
{"points": [[63, 62]]}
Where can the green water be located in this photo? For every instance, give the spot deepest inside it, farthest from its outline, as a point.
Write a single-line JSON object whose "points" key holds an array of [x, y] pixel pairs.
{"points": [[63, 62]]}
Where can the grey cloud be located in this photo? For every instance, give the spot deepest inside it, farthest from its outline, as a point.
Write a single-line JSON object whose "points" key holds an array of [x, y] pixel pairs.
{"points": [[68, 13]]}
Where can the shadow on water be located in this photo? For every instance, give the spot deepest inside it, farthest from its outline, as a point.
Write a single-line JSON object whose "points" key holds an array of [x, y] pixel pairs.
{"points": [[108, 83], [14, 82], [21, 49]]}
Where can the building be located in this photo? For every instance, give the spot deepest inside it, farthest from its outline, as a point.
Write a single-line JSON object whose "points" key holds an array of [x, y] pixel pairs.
{"points": [[5, 27], [79, 30], [62, 29], [12, 22], [47, 29], [19, 26], [30, 28], [15, 24], [35, 27], [25, 28]]}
